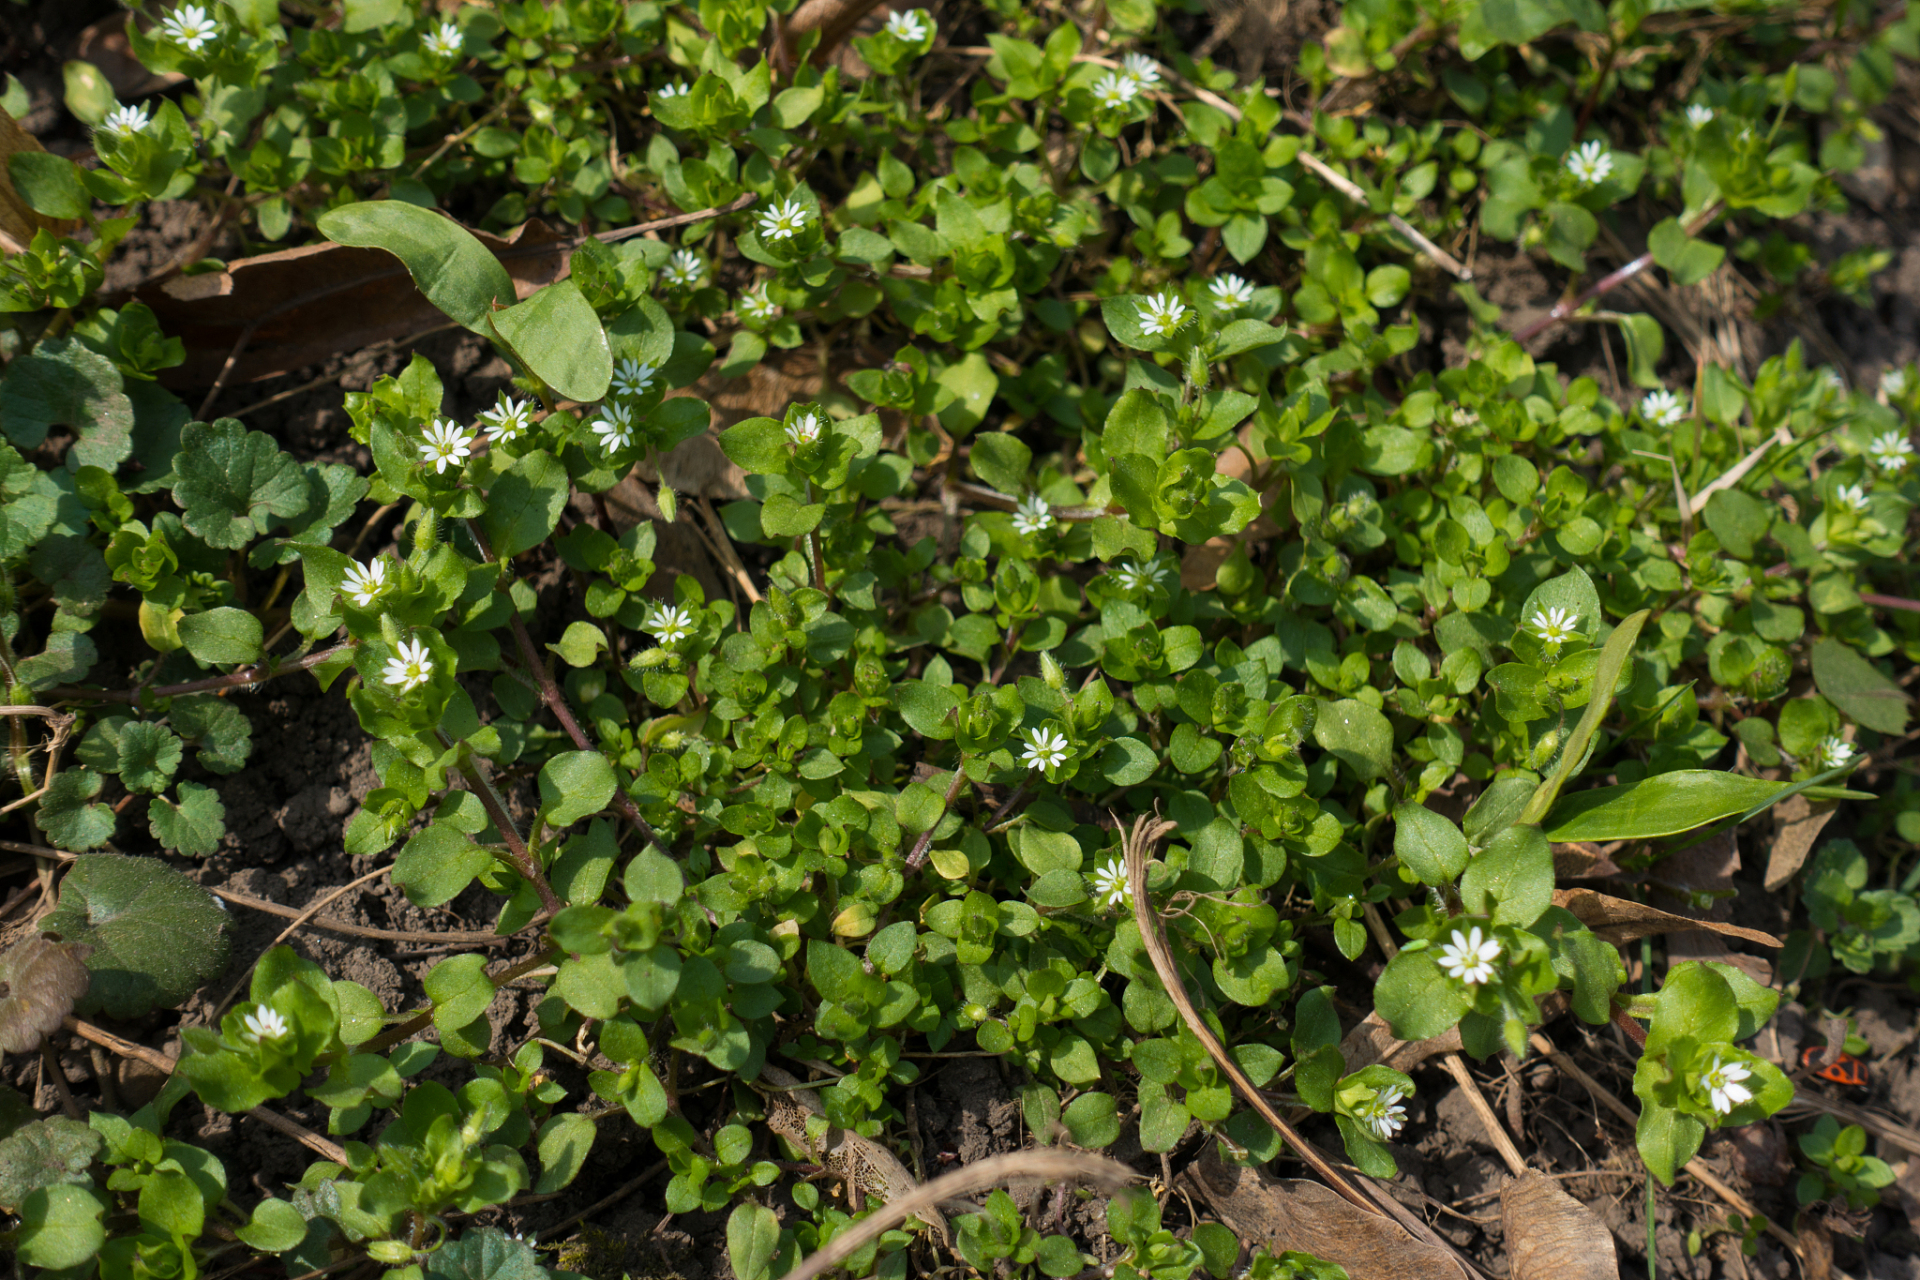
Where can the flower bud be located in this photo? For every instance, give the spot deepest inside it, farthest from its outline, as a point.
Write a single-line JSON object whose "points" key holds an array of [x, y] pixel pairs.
{"points": [[1051, 673]]}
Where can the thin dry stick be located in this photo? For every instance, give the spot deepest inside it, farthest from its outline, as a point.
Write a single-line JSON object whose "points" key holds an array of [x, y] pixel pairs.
{"points": [[162, 1063], [1146, 832], [723, 547], [1604, 1096], [456, 938], [1049, 1166], [299, 919]]}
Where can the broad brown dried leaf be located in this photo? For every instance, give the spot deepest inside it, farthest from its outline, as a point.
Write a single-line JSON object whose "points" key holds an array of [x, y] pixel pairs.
{"points": [[40, 978], [1619, 921], [1372, 1040], [18, 221], [1800, 825], [1552, 1236]]}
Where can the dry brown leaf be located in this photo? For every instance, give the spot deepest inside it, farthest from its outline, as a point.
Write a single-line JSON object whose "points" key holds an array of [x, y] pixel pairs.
{"points": [[1372, 1040], [1619, 921], [1552, 1236], [40, 978], [1801, 822], [1292, 1213], [18, 221], [1582, 861]]}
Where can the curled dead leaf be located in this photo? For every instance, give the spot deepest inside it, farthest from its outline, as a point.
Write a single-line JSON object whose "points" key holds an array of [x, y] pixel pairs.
{"points": [[1552, 1236], [40, 978], [1619, 921]]}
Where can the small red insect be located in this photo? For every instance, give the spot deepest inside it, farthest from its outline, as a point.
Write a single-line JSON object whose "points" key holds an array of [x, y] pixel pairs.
{"points": [[1845, 1069]]}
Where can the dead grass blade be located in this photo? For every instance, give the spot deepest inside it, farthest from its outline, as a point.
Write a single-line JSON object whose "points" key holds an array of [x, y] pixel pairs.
{"points": [[1619, 921], [1146, 832], [1552, 1236], [1047, 1166]]}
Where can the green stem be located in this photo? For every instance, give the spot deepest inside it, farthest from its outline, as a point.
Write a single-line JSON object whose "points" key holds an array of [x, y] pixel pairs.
{"points": [[517, 852]]}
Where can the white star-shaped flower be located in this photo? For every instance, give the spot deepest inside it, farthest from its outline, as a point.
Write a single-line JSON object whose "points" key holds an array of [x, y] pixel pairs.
{"points": [[1162, 314], [758, 306], [1663, 409], [1554, 625], [1033, 515], [783, 221], [1142, 69], [1722, 1083], [1045, 749], [1891, 452], [1853, 497], [1894, 382], [1834, 380], [1382, 1114], [804, 429], [614, 426], [1590, 163], [678, 89], [444, 41], [1110, 885], [906, 27], [410, 667], [1699, 115], [1115, 91], [264, 1023], [684, 269], [190, 26], [668, 623], [1230, 291], [123, 122], [365, 583], [1833, 752], [447, 444], [1470, 956], [632, 377], [506, 420], [1134, 577]]}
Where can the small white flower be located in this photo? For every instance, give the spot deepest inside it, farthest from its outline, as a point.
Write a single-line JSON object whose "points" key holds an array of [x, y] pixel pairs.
{"points": [[1142, 69], [1722, 1083], [1554, 625], [632, 377], [1382, 1114], [191, 26], [1853, 497], [365, 583], [906, 27], [783, 221], [124, 122], [1894, 383], [1663, 409], [1230, 291], [1033, 515], [1134, 577], [758, 306], [684, 269], [804, 429], [1590, 163], [668, 623], [509, 418], [410, 667], [1115, 91], [1110, 885], [264, 1023], [447, 444], [1699, 114], [1469, 957], [678, 89], [614, 426], [1834, 380], [1833, 752], [444, 40], [1045, 749], [1892, 451], [1162, 314]]}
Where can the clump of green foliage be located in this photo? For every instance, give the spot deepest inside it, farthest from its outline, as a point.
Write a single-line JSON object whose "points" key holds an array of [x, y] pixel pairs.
{"points": [[868, 812]]}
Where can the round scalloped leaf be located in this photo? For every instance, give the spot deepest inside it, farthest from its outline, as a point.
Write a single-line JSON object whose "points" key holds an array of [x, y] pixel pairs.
{"points": [[46, 1153], [40, 978], [157, 937]]}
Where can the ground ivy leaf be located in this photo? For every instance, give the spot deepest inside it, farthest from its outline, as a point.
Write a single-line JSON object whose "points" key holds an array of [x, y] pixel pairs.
{"points": [[62, 383], [149, 754], [194, 825], [40, 978], [233, 482], [46, 1153], [69, 816], [156, 935]]}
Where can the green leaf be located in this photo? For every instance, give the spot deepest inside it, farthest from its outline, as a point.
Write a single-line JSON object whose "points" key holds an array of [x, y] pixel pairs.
{"points": [[62, 383], [580, 644], [1416, 998], [45, 1153], [275, 1227], [27, 503], [1662, 805], [234, 482], [566, 1139], [1646, 342], [460, 990], [1512, 878], [1428, 845], [60, 1227], [157, 937], [757, 446], [973, 383], [1687, 260], [1137, 423], [69, 815], [1001, 460], [1092, 1120], [1355, 734], [452, 268], [575, 785], [524, 505], [1616, 657], [1739, 520], [438, 864], [1856, 686], [485, 1254], [49, 184], [222, 636], [194, 825], [753, 1235], [557, 336]]}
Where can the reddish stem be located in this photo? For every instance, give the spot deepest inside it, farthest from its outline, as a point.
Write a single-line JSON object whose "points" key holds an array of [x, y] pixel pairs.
{"points": [[253, 674]]}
